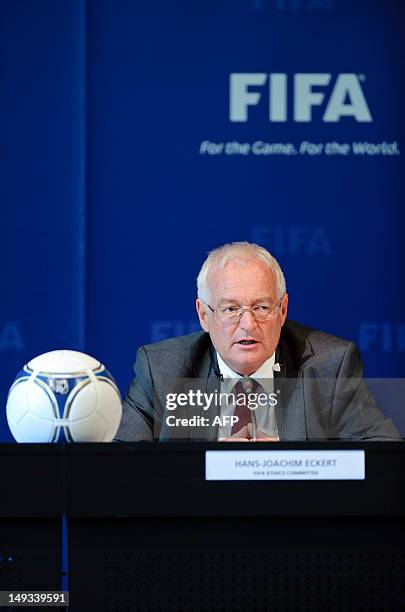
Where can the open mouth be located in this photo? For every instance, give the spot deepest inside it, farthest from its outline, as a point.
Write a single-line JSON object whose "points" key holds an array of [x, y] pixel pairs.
{"points": [[247, 342]]}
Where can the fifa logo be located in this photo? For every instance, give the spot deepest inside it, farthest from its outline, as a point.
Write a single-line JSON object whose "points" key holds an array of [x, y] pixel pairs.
{"points": [[386, 336], [345, 99]]}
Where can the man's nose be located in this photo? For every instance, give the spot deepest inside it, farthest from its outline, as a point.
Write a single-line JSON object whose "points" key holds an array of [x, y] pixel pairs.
{"points": [[247, 320]]}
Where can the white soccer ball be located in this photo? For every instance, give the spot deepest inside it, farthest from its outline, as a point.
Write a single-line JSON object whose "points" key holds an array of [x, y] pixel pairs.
{"points": [[64, 396]]}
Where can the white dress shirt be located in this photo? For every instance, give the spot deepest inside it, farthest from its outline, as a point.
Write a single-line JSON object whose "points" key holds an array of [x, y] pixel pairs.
{"points": [[265, 415]]}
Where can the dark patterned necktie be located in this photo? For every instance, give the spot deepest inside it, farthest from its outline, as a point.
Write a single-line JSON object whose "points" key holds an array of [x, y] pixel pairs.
{"points": [[242, 389]]}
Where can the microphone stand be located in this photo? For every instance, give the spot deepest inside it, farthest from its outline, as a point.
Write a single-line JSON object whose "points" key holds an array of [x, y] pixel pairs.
{"points": [[254, 426]]}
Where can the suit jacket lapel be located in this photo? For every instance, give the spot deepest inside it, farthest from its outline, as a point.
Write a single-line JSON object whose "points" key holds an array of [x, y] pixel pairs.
{"points": [[288, 384], [207, 380]]}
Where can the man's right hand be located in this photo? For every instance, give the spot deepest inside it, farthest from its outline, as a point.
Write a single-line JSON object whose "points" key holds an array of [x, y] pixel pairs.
{"points": [[245, 435], [240, 436]]}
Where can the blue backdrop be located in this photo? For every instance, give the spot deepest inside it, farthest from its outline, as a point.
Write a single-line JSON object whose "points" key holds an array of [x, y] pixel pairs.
{"points": [[128, 151]]}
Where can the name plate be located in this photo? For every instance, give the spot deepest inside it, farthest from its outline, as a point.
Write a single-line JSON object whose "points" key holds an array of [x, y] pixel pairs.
{"points": [[285, 465]]}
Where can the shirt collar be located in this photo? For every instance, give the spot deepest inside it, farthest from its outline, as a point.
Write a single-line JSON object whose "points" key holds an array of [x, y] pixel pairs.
{"points": [[265, 370]]}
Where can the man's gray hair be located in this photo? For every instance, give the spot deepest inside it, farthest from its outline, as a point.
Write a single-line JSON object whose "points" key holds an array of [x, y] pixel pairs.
{"points": [[242, 251]]}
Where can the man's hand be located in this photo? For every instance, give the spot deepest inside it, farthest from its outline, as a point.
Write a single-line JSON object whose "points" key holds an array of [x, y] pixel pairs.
{"points": [[245, 435], [260, 435], [242, 435]]}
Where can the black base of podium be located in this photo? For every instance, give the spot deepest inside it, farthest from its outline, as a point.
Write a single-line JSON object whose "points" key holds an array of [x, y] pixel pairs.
{"points": [[238, 564], [148, 533], [30, 555]]}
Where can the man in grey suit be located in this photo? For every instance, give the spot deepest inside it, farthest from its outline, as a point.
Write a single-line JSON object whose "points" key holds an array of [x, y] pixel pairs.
{"points": [[305, 384]]}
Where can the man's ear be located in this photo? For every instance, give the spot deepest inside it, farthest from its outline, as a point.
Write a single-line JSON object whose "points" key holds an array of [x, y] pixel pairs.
{"points": [[284, 308], [202, 314]]}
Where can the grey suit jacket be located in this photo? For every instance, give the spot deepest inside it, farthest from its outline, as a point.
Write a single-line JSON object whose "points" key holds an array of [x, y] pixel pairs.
{"points": [[322, 394]]}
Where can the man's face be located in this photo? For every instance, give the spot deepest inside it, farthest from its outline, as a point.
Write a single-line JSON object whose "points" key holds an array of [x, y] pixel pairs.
{"points": [[244, 284]]}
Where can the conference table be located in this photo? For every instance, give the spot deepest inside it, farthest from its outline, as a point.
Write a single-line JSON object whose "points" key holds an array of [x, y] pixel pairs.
{"points": [[197, 526]]}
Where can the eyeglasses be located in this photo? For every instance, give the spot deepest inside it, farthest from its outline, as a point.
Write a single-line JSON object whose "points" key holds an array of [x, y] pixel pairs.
{"points": [[233, 313]]}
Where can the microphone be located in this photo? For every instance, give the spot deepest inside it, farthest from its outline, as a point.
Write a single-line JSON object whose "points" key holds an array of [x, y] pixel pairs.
{"points": [[214, 365], [254, 426]]}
